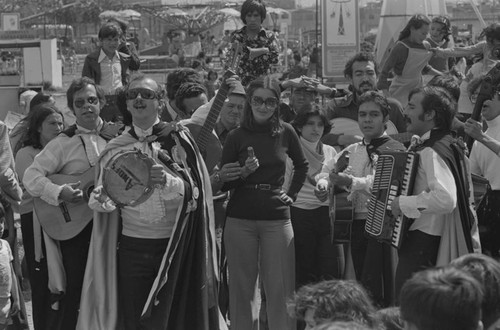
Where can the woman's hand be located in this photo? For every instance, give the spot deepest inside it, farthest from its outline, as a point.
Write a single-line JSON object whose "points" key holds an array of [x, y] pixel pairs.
{"points": [[100, 195], [321, 190], [287, 200]]}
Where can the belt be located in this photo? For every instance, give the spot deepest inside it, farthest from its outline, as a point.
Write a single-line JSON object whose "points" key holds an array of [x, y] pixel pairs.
{"points": [[262, 186]]}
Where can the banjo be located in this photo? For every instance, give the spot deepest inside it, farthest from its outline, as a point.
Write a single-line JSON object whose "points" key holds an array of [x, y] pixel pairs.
{"points": [[127, 178]]}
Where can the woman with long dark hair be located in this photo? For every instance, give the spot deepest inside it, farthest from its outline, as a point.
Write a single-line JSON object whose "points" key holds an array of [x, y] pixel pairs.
{"points": [[407, 60], [258, 235], [43, 124]]}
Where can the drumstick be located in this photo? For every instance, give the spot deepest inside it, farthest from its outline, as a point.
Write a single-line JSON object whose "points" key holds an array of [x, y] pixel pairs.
{"points": [[251, 153]]}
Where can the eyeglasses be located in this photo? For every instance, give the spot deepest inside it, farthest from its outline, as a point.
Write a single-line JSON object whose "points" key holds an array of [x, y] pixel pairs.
{"points": [[146, 93], [271, 102], [81, 102]]}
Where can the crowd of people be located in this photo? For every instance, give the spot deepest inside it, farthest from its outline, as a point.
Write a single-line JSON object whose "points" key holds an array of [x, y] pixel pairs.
{"points": [[216, 206]]}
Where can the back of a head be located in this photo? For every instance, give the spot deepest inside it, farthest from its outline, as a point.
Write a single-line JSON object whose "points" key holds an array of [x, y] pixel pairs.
{"points": [[40, 98], [390, 318], [486, 271], [334, 300], [441, 298], [178, 77], [448, 82], [342, 325]]}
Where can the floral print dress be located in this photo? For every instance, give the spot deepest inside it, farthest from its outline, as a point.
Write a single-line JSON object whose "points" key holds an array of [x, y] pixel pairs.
{"points": [[248, 69]]}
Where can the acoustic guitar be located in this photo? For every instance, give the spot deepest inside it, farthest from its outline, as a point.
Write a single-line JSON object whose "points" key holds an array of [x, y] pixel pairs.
{"points": [[66, 220], [341, 210], [209, 145]]}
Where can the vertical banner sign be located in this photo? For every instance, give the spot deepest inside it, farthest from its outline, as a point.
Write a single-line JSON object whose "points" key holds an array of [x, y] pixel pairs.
{"points": [[339, 35]]}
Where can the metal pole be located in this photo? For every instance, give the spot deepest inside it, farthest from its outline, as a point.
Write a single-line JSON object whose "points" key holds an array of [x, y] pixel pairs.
{"points": [[316, 29]]}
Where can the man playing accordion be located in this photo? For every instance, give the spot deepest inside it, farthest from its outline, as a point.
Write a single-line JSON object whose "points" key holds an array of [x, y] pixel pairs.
{"points": [[445, 225]]}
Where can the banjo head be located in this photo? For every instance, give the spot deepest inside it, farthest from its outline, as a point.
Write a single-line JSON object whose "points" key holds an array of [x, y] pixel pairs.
{"points": [[127, 178]]}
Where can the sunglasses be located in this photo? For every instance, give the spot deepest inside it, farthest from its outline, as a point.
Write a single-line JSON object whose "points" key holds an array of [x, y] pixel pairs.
{"points": [[271, 102], [90, 100], [146, 93]]}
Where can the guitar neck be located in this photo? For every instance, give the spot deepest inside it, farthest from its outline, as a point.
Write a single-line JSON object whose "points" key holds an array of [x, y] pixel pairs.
{"points": [[212, 116]]}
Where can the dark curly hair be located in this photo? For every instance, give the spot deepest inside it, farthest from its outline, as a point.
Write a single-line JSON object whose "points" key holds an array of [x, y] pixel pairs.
{"points": [[359, 57], [491, 32], [440, 101], [334, 300], [34, 121]]}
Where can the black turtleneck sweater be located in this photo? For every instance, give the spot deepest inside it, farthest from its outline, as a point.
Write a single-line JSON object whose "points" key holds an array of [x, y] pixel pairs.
{"points": [[272, 152]]}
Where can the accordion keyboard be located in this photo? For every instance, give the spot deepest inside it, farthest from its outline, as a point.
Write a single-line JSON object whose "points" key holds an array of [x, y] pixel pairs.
{"points": [[394, 176]]}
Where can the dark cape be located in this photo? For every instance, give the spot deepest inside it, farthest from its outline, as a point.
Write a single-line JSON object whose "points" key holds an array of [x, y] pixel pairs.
{"points": [[452, 151], [184, 293]]}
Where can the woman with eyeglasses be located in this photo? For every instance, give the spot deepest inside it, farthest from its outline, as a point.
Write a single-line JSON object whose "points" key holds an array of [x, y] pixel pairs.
{"points": [[408, 59], [258, 235], [43, 124]]}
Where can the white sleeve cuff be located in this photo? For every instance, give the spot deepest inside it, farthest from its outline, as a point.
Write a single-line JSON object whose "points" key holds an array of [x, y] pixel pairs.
{"points": [[408, 205], [51, 193]]}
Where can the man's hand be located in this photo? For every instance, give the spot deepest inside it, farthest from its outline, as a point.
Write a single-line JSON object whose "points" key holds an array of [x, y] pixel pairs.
{"points": [[234, 83], [340, 179], [474, 129], [395, 209], [346, 139], [230, 172], [158, 175], [100, 195], [70, 193]]}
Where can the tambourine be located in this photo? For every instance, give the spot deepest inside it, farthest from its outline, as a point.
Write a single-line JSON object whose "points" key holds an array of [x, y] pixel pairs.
{"points": [[127, 178]]}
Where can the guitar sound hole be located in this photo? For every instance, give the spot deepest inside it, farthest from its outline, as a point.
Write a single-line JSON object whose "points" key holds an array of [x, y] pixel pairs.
{"points": [[87, 192]]}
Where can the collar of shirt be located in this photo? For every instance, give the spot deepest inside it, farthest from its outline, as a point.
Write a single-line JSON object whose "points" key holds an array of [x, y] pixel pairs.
{"points": [[495, 123], [143, 133], [102, 56], [83, 130]]}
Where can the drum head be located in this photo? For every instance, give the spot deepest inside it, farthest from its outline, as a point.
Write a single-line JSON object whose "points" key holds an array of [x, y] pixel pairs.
{"points": [[126, 178]]}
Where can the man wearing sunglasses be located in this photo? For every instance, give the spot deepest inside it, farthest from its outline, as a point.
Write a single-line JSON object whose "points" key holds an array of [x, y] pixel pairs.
{"points": [[108, 67], [485, 161], [175, 215], [75, 151]]}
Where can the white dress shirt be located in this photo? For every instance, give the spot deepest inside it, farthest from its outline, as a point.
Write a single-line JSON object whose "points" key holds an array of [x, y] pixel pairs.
{"points": [[111, 72], [434, 197], [155, 218], [64, 155]]}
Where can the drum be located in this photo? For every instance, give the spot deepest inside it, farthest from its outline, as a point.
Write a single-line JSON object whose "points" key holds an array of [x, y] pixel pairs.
{"points": [[127, 178]]}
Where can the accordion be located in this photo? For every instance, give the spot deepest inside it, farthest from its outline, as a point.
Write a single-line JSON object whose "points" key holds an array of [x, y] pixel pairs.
{"points": [[394, 176]]}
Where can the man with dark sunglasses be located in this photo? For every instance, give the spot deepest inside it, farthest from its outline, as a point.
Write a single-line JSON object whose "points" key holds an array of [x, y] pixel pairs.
{"points": [[168, 233], [73, 153]]}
